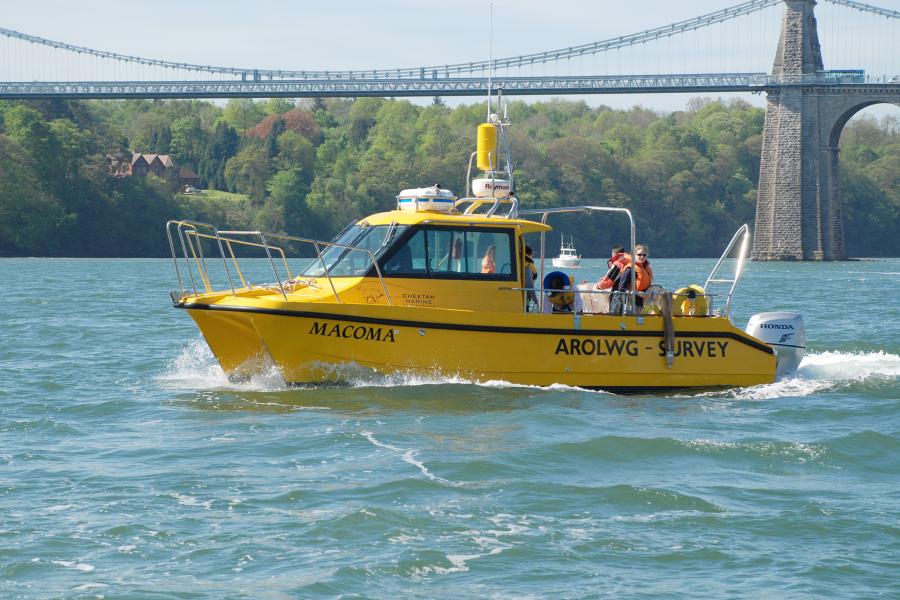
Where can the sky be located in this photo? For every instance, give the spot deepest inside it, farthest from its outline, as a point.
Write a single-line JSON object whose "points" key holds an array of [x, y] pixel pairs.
{"points": [[339, 34]]}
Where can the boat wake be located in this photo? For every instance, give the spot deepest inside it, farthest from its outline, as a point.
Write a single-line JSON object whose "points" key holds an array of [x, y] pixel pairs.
{"points": [[196, 369], [823, 371]]}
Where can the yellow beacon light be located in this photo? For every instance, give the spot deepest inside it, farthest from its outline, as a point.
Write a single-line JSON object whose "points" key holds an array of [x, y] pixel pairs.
{"points": [[486, 155]]}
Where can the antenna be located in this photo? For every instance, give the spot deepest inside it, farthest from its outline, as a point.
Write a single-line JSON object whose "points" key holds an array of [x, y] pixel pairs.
{"points": [[490, 63]]}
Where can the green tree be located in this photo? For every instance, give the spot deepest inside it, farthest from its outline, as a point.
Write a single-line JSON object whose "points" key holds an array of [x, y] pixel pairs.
{"points": [[287, 193], [278, 128], [29, 216], [222, 145], [242, 113], [296, 152], [248, 172], [278, 106], [188, 140]]}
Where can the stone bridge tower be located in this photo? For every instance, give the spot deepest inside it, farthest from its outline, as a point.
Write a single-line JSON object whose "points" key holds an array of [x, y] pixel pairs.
{"points": [[798, 207]]}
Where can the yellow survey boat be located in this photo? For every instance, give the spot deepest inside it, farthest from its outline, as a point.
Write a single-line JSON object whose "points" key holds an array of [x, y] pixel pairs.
{"points": [[439, 286]]}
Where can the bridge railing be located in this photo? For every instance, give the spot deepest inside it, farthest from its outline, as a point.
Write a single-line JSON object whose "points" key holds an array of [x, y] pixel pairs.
{"points": [[467, 86]]}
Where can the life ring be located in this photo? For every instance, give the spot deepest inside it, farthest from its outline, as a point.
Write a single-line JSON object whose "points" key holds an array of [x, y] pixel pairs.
{"points": [[690, 301]]}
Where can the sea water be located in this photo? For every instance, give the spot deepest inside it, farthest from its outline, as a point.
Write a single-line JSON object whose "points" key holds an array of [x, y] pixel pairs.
{"points": [[130, 467]]}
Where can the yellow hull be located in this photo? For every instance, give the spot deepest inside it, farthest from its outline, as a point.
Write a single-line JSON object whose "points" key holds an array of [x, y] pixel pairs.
{"points": [[312, 342]]}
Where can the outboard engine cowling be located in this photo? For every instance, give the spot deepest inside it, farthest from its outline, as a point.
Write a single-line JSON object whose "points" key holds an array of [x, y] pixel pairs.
{"points": [[783, 331]]}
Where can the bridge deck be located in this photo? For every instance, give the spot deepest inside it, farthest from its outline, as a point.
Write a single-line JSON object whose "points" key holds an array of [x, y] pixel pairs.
{"points": [[470, 86]]}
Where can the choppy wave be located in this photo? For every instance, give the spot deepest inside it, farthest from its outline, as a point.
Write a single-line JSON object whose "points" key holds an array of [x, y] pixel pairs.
{"points": [[408, 456]]}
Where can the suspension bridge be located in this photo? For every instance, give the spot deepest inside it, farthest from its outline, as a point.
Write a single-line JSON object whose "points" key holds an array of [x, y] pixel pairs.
{"points": [[37, 67], [729, 50]]}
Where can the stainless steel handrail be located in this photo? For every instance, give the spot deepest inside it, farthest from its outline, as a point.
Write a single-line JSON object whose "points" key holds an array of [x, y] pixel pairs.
{"points": [[326, 269], [234, 260], [189, 238], [611, 293], [743, 233], [183, 227]]}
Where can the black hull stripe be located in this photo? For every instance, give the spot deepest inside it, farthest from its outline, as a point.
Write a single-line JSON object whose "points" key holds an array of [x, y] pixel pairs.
{"points": [[481, 328], [613, 389]]}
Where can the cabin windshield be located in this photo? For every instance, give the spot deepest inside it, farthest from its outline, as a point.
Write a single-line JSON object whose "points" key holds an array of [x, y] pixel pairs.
{"points": [[356, 261]]}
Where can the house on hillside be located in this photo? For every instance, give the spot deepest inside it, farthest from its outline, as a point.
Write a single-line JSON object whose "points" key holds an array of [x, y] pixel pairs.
{"points": [[161, 165], [158, 164], [188, 177]]}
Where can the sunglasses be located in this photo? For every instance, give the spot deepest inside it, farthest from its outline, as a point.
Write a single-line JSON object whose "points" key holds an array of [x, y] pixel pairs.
{"points": [[642, 255]]}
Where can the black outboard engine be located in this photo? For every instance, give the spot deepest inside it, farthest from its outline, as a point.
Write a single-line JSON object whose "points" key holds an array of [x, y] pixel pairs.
{"points": [[783, 331]]}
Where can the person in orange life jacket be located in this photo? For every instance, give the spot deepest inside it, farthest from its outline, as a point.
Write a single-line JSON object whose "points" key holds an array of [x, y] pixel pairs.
{"points": [[642, 267], [618, 262], [531, 274], [621, 267], [643, 274], [642, 271]]}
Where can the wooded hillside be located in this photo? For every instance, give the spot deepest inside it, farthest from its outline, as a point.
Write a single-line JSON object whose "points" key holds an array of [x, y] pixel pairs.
{"points": [[690, 177]]}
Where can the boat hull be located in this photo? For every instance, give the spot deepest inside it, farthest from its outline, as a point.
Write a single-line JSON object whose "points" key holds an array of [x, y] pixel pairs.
{"points": [[314, 343], [234, 342], [566, 263]]}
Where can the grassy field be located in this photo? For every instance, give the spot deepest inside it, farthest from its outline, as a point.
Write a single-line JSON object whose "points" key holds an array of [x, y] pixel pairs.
{"points": [[233, 211], [216, 195]]}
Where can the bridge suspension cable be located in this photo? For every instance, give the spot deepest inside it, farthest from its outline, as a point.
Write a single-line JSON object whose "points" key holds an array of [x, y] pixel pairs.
{"points": [[719, 16], [616, 43], [457, 69], [882, 12]]}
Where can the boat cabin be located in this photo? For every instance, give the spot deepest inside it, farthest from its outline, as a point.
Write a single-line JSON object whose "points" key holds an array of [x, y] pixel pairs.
{"points": [[428, 258]]}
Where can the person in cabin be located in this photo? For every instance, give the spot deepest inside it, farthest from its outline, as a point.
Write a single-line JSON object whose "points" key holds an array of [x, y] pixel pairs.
{"points": [[488, 263], [561, 297], [454, 258], [457, 262], [531, 275]]}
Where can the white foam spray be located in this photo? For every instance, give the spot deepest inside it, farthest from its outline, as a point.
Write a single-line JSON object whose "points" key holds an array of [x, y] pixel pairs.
{"points": [[196, 368], [826, 370]]}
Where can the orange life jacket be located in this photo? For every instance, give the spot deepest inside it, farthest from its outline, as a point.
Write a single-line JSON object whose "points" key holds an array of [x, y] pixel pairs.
{"points": [[617, 264], [487, 265], [644, 273]]}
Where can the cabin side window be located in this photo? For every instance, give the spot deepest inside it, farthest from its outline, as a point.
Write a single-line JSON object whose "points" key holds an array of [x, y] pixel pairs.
{"points": [[410, 258], [454, 253]]}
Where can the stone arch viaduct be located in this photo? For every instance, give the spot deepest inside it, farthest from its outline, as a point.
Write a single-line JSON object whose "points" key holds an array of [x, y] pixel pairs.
{"points": [[798, 208]]}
